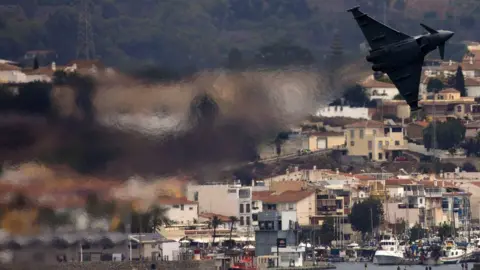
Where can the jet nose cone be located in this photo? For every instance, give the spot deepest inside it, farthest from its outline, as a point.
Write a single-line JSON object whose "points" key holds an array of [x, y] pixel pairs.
{"points": [[448, 35]]}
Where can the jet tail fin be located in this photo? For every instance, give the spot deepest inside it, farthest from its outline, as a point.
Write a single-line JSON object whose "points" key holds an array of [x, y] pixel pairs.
{"points": [[441, 49], [429, 29]]}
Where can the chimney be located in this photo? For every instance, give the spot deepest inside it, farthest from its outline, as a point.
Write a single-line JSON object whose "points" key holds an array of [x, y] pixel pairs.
{"points": [[471, 60], [450, 62], [296, 168], [337, 171], [54, 66], [314, 167]]}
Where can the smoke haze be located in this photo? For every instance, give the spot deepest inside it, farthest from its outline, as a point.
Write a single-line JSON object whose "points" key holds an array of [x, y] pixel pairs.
{"points": [[136, 127]]}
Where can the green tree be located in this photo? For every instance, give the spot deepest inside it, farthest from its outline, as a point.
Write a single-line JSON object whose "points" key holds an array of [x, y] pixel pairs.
{"points": [[449, 134], [283, 53], [460, 82], [365, 214], [232, 220], [417, 232], [445, 230], [434, 85], [327, 231], [158, 217], [215, 222]]}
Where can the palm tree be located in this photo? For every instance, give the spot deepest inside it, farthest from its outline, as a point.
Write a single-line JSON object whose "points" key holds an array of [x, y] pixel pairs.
{"points": [[215, 221], [158, 217], [232, 220]]}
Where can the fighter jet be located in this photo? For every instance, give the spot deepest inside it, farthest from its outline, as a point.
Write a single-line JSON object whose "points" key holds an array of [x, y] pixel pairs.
{"points": [[399, 55]]}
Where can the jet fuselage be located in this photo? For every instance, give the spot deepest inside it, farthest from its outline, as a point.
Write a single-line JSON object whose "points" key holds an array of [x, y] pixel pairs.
{"points": [[406, 51]]}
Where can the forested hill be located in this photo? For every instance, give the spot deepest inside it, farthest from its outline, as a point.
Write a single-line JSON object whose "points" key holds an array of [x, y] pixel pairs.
{"points": [[198, 32]]}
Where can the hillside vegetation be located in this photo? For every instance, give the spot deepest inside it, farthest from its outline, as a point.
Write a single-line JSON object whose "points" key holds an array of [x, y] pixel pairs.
{"points": [[200, 33]]}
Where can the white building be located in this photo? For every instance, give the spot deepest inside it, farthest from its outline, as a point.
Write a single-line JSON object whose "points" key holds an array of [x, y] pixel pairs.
{"points": [[344, 111], [224, 199], [179, 210]]}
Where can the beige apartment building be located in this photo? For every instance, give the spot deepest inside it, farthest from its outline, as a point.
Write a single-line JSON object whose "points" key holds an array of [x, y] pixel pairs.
{"points": [[375, 140]]}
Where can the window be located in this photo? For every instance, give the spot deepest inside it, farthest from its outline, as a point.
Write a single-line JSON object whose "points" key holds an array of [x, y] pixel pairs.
{"points": [[420, 200], [459, 108], [374, 132], [370, 144], [254, 217], [182, 207], [244, 193], [241, 208], [397, 143], [247, 219], [380, 144], [176, 206], [291, 206], [195, 196], [232, 191], [380, 156], [352, 133], [370, 155], [242, 221], [190, 208], [247, 208], [387, 143], [352, 143], [362, 133]]}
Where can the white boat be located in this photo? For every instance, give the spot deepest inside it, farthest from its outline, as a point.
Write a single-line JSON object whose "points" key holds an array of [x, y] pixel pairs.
{"points": [[389, 252], [452, 254]]}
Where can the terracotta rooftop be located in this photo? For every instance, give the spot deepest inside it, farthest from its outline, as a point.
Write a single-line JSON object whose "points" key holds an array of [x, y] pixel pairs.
{"points": [[8, 67], [165, 200], [211, 215], [287, 197], [398, 182], [366, 124], [370, 82], [449, 91], [472, 82]]}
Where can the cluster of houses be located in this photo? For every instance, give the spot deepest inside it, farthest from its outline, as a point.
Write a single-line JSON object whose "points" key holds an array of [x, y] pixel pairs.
{"points": [[385, 139]]}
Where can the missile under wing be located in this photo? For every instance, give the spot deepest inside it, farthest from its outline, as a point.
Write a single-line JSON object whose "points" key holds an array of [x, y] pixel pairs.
{"points": [[380, 36]]}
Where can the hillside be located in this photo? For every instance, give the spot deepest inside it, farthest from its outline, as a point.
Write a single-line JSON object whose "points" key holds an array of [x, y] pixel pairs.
{"points": [[201, 33]]}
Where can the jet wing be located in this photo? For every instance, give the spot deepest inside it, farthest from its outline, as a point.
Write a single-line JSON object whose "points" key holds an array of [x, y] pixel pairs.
{"points": [[376, 33], [407, 81]]}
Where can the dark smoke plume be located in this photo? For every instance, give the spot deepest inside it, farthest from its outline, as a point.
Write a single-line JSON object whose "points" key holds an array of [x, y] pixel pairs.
{"points": [[123, 126]]}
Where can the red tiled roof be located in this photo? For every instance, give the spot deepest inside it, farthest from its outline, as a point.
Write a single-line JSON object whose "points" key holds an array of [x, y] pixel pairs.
{"points": [[472, 82], [211, 215], [449, 90], [287, 197], [370, 82], [166, 200], [258, 195], [398, 182], [366, 124]]}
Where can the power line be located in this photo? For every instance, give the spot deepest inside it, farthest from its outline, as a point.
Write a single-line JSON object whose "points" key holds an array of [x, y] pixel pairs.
{"points": [[85, 44]]}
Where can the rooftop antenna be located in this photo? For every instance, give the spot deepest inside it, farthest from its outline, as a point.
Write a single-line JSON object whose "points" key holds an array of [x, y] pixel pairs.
{"points": [[85, 44]]}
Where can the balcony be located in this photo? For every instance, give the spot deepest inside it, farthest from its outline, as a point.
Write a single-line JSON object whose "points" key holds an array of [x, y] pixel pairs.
{"points": [[393, 147], [415, 193]]}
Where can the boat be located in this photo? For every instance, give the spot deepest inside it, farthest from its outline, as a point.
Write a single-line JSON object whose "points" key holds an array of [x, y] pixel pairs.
{"points": [[452, 254], [389, 252]]}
